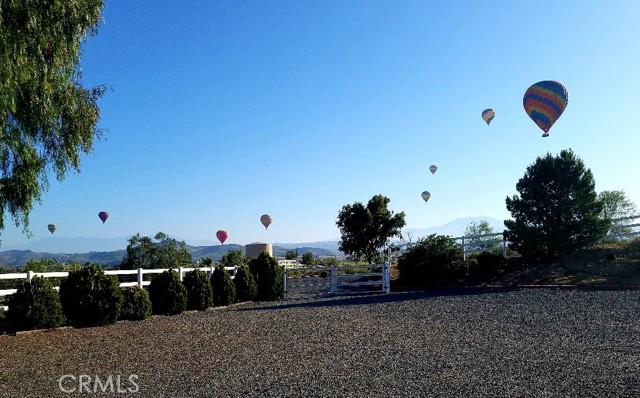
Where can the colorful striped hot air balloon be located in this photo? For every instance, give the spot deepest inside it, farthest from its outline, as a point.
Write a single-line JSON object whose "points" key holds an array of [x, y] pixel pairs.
{"points": [[52, 228], [544, 102], [488, 115]]}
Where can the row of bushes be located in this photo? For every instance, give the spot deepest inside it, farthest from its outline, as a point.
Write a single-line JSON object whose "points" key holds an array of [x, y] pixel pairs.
{"points": [[89, 297], [438, 260]]}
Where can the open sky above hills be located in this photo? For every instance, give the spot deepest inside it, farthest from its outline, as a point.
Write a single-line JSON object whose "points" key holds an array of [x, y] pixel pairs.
{"points": [[222, 111]]}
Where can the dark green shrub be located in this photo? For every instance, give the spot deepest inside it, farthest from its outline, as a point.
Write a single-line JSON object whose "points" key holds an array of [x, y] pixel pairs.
{"points": [[199, 292], [224, 291], [488, 264], [136, 305], [167, 293], [434, 260], [269, 277], [36, 305], [246, 288], [89, 297]]}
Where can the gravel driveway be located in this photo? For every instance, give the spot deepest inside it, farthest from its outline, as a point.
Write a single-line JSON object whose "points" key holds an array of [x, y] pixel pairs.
{"points": [[465, 342]]}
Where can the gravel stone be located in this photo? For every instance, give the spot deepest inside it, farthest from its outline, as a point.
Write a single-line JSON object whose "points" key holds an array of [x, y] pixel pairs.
{"points": [[470, 342]]}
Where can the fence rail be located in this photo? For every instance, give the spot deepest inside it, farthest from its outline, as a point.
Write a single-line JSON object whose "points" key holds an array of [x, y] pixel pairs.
{"points": [[140, 272], [337, 280], [479, 243]]}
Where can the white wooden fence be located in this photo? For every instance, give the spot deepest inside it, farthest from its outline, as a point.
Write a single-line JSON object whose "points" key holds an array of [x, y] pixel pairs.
{"points": [[623, 230], [140, 272], [479, 243], [337, 280], [620, 229]]}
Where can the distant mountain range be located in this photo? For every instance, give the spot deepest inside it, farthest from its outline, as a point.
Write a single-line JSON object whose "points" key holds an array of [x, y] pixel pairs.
{"points": [[456, 227], [17, 258], [110, 251]]}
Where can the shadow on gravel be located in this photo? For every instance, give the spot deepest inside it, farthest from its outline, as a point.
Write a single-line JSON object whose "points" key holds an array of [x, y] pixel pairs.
{"points": [[333, 301]]}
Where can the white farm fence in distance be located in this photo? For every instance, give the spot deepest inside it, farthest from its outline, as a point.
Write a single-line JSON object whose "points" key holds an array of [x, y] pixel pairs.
{"points": [[139, 273], [621, 228]]}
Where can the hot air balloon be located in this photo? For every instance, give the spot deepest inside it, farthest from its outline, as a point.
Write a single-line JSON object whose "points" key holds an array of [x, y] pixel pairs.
{"points": [[426, 195], [266, 220], [222, 236], [488, 115], [103, 216], [544, 102], [51, 228], [433, 168]]}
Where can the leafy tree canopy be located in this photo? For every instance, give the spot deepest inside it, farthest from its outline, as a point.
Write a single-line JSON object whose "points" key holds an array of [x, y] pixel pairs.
{"points": [[367, 229], [557, 211], [233, 258], [291, 255], [47, 118], [482, 227], [617, 205], [308, 259], [167, 252]]}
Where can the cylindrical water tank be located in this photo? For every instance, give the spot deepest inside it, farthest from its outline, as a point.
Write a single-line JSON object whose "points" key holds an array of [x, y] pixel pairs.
{"points": [[253, 250]]}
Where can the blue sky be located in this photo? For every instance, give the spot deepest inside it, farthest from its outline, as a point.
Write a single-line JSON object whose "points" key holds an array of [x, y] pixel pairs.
{"points": [[221, 111]]}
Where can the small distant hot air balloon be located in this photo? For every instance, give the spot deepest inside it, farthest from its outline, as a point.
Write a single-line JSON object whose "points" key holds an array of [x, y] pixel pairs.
{"points": [[266, 220], [426, 195], [544, 102], [103, 216], [51, 228], [433, 168], [488, 115], [222, 235]]}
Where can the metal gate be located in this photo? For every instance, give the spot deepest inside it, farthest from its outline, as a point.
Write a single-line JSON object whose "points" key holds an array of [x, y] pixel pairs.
{"points": [[300, 282]]}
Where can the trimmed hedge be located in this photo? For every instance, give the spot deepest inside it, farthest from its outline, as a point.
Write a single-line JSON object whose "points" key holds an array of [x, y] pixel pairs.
{"points": [[89, 297], [199, 291], [167, 293], [246, 287], [136, 305], [224, 291], [269, 277], [36, 305]]}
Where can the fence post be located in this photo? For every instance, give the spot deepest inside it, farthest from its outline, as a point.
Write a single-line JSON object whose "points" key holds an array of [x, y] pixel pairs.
{"points": [[386, 275], [140, 278], [210, 271], [504, 245], [29, 275], [286, 272], [180, 272], [464, 249], [334, 279]]}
